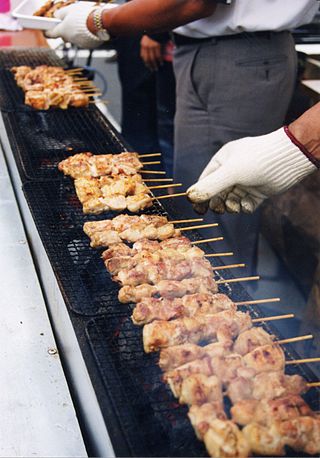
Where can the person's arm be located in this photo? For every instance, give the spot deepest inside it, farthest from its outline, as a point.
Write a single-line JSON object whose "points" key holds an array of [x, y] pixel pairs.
{"points": [[81, 26], [145, 16], [245, 172]]}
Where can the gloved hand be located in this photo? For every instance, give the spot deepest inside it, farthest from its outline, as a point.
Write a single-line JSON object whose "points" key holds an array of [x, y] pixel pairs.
{"points": [[245, 172], [73, 26]]}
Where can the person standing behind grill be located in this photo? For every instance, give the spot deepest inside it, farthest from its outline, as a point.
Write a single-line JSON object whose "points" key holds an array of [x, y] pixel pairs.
{"points": [[235, 63]]}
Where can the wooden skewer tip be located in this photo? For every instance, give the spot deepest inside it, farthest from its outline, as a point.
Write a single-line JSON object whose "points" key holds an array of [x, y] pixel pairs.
{"points": [[234, 280], [214, 239], [200, 226], [273, 318], [217, 255], [295, 339], [230, 266], [259, 301]]}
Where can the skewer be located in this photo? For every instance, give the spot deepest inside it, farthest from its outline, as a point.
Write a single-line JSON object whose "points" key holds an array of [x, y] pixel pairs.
{"points": [[76, 69], [151, 163], [99, 101], [234, 280], [215, 239], [313, 384], [193, 220], [169, 196], [158, 180], [259, 301], [273, 318], [230, 266], [302, 361], [215, 255], [203, 226], [149, 155], [295, 339], [163, 186], [80, 78], [155, 172], [98, 94]]}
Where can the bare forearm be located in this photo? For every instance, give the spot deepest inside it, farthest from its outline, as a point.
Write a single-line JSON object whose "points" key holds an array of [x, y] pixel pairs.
{"points": [[306, 130], [151, 16]]}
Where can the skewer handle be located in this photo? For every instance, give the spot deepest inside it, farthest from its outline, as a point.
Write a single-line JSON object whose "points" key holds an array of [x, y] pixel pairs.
{"points": [[154, 172], [313, 384], [302, 361], [200, 226], [157, 180], [230, 266], [215, 239], [295, 339], [151, 163], [259, 301], [218, 255], [149, 155], [180, 221], [163, 186], [169, 196], [234, 280], [272, 318]]}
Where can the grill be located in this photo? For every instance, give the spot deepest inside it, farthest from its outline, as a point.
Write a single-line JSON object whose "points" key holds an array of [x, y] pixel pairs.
{"points": [[152, 422], [40, 140], [25, 56]]}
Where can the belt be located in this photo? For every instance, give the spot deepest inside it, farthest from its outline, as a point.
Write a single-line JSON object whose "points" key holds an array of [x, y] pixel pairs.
{"points": [[181, 40]]}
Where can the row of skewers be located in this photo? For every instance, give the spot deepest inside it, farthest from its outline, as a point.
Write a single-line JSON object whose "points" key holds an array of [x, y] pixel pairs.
{"points": [[105, 183], [210, 350], [51, 6], [48, 87]]}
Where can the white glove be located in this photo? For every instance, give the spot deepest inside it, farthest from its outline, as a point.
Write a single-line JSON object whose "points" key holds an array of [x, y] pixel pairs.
{"points": [[73, 25], [245, 172]]}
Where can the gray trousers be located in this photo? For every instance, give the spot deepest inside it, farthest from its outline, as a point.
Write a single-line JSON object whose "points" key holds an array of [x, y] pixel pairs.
{"points": [[228, 89]]}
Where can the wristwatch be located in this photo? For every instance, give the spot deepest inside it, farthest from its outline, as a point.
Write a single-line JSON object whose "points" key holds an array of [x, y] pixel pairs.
{"points": [[100, 32]]}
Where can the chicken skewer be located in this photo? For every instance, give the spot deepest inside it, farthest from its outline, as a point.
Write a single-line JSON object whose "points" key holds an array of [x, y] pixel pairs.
{"points": [[88, 165], [46, 86], [171, 289]]}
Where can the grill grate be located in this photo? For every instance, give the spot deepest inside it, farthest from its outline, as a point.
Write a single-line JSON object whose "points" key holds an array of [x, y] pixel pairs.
{"points": [[29, 56], [40, 140], [83, 279], [153, 422]]}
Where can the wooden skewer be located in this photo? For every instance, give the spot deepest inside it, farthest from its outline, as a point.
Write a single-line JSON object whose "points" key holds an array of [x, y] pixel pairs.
{"points": [[230, 266], [163, 186], [179, 221], [272, 318], [151, 163], [234, 280], [98, 94], [76, 69], [99, 101], [301, 361], [152, 171], [217, 255], [259, 301], [313, 384], [295, 339], [149, 155], [169, 196], [215, 239], [158, 180], [200, 226], [80, 78]]}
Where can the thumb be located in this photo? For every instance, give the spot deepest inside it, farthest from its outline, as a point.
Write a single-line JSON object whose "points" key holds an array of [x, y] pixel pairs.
{"points": [[212, 184], [210, 167], [55, 32]]}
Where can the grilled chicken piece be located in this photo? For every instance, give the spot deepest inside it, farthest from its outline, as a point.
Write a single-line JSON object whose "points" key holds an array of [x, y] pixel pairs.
{"points": [[249, 340], [44, 8], [264, 440], [199, 389], [151, 309], [221, 326], [178, 355], [223, 439], [148, 271], [266, 358], [37, 100], [265, 385], [202, 415], [269, 410], [302, 434], [168, 289]]}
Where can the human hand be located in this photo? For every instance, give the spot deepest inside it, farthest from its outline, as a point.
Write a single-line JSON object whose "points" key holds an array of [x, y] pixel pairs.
{"points": [[151, 53], [245, 172], [73, 26]]}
